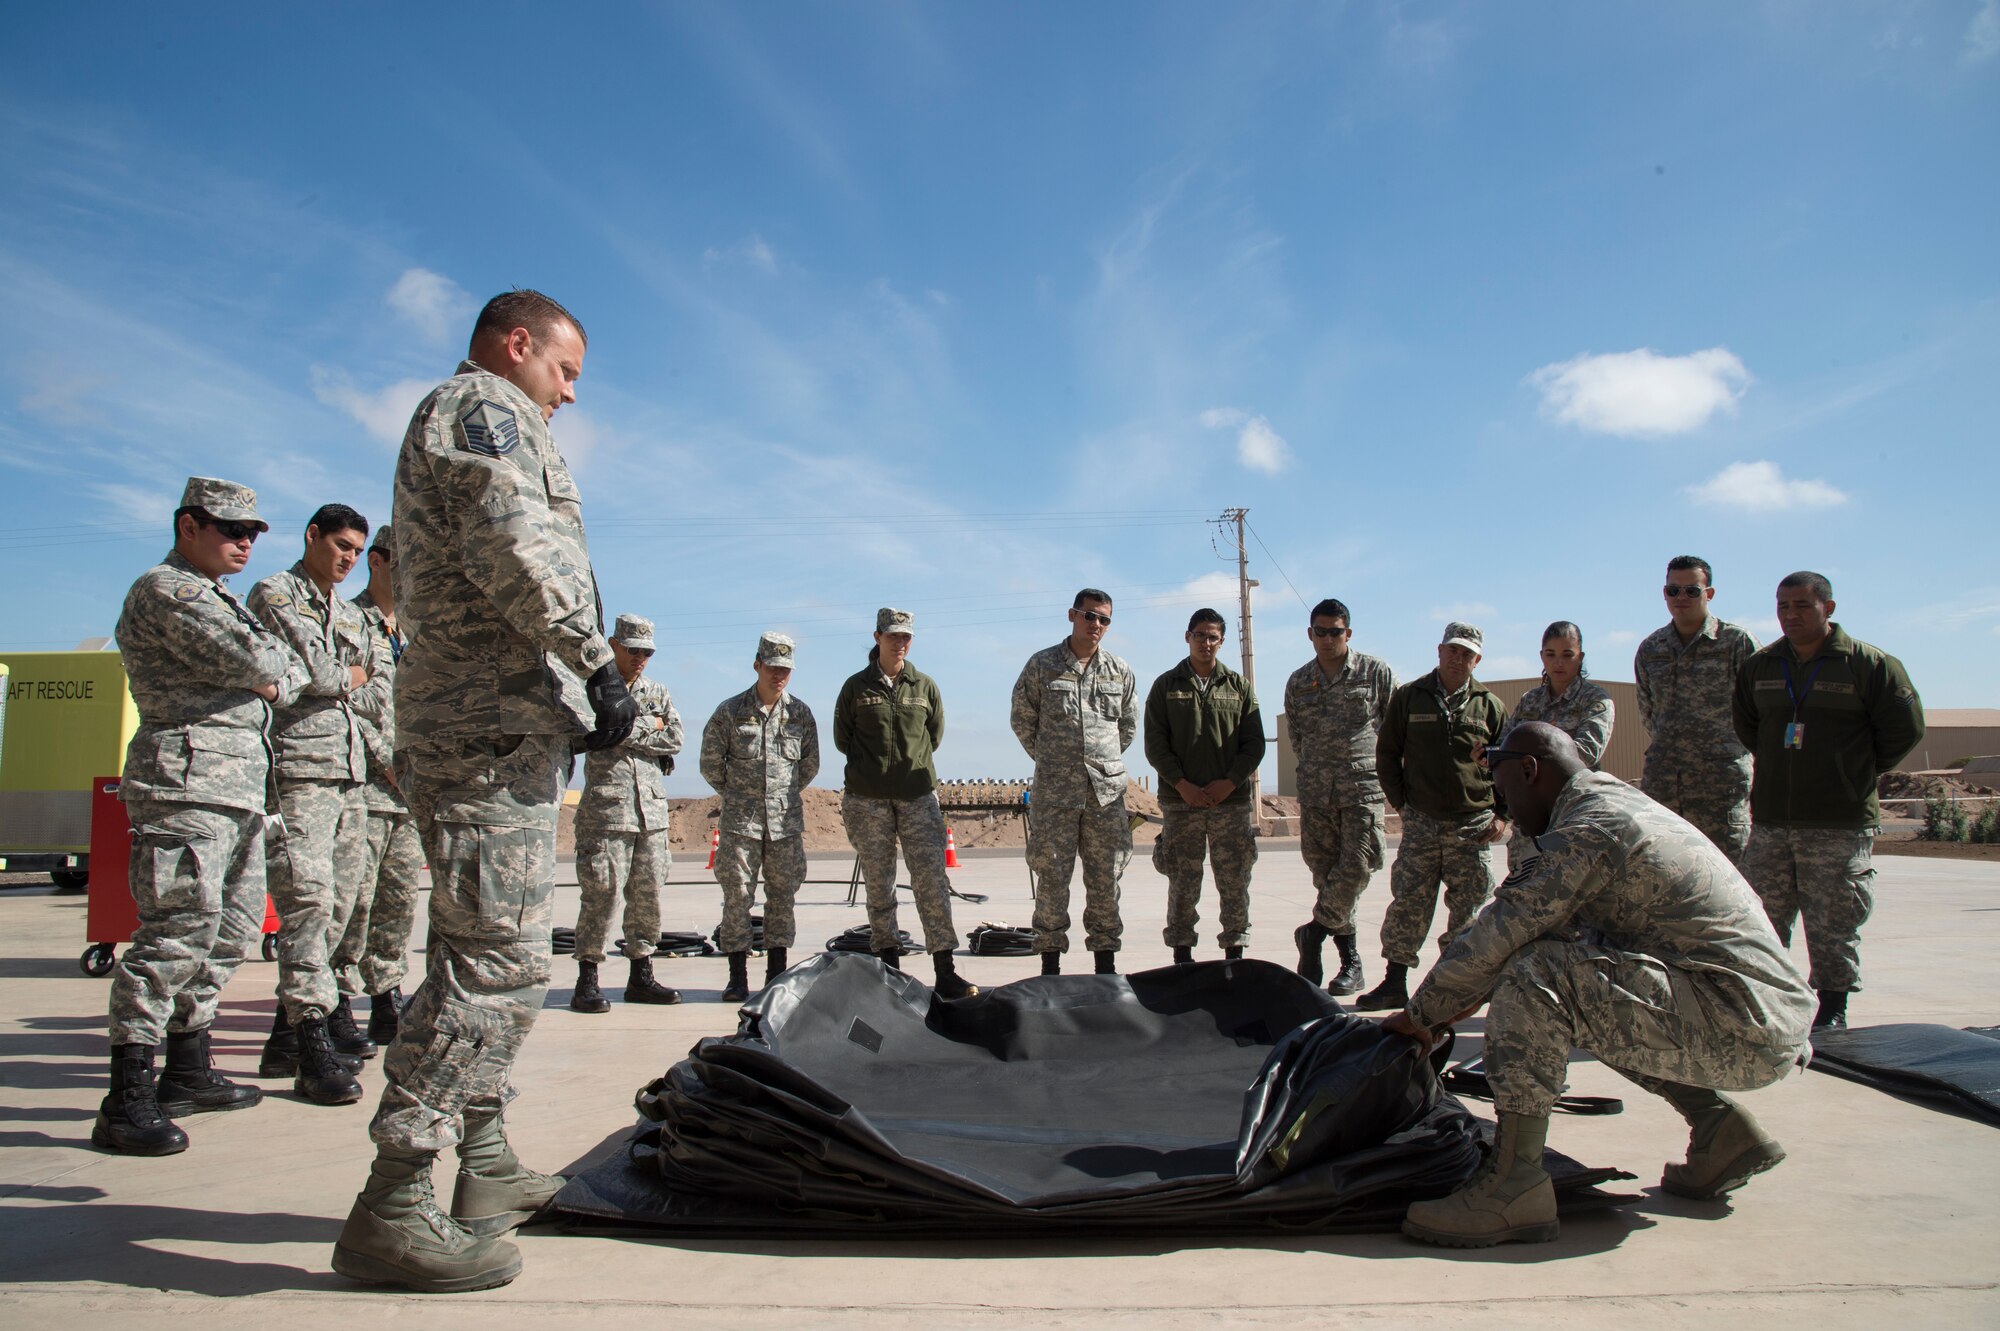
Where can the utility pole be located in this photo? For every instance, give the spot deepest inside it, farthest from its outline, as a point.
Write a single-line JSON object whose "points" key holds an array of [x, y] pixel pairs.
{"points": [[1244, 582]]}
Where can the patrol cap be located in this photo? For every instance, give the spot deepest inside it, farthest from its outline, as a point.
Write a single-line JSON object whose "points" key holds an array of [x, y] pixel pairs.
{"points": [[774, 649], [894, 621], [1463, 635], [225, 501], [634, 633], [385, 541]]}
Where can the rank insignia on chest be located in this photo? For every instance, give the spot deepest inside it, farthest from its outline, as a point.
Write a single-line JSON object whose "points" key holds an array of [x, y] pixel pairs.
{"points": [[190, 592], [488, 429]]}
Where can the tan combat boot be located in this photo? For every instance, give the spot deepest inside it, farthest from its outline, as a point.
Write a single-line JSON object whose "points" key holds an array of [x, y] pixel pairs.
{"points": [[396, 1235], [1725, 1144], [495, 1192], [1510, 1201]]}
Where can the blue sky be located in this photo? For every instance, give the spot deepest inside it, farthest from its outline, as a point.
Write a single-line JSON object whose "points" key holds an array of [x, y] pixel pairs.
{"points": [[1480, 311]]}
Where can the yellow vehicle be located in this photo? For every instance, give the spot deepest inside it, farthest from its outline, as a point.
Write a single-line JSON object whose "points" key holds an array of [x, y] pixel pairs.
{"points": [[68, 718]]}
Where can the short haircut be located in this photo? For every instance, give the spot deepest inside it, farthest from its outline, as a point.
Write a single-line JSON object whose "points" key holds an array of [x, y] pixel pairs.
{"points": [[1815, 584], [1559, 630], [1090, 594], [332, 518], [522, 308], [1207, 616], [1688, 563], [1330, 609], [195, 511]]}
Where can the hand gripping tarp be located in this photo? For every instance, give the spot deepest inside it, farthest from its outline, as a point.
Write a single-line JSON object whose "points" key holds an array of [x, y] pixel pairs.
{"points": [[1219, 1096]]}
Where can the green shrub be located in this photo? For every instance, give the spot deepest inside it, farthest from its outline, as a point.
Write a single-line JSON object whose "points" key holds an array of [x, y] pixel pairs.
{"points": [[1986, 830], [1944, 820]]}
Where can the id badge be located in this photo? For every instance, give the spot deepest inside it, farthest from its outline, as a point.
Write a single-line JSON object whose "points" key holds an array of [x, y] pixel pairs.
{"points": [[1795, 735]]}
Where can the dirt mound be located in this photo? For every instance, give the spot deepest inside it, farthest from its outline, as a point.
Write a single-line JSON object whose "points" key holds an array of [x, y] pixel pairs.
{"points": [[1918, 786]]}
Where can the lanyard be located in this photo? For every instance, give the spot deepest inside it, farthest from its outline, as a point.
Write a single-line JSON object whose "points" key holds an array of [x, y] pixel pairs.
{"points": [[1798, 696]]}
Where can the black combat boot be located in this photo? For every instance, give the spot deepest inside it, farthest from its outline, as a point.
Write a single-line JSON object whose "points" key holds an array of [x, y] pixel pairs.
{"points": [[281, 1052], [1107, 962], [321, 1078], [346, 1036], [738, 988], [587, 997], [1052, 963], [1832, 1009], [1309, 936], [1389, 994], [385, 1015], [1351, 976], [130, 1119], [775, 964], [1184, 956], [1232, 954], [949, 983], [893, 958], [641, 987], [189, 1084]]}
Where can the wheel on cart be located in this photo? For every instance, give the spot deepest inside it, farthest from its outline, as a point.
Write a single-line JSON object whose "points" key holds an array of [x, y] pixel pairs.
{"points": [[70, 880], [270, 947], [98, 958]]}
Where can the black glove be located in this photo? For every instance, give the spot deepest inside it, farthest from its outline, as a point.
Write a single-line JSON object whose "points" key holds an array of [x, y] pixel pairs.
{"points": [[612, 704]]}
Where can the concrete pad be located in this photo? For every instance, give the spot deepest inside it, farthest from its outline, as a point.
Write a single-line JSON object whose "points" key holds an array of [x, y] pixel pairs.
{"points": [[1886, 1209]]}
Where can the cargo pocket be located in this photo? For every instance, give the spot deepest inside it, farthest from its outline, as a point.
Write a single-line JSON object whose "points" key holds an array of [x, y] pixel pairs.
{"points": [[172, 860]]}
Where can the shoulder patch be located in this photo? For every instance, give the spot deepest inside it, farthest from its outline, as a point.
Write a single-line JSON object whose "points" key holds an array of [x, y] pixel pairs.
{"points": [[190, 591], [278, 600], [488, 429]]}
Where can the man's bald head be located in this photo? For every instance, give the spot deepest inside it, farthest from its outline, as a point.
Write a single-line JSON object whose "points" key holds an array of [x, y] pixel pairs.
{"points": [[1543, 760], [1547, 743]]}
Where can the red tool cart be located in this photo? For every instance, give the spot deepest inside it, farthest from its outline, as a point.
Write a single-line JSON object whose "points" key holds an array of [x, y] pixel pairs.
{"points": [[111, 915]]}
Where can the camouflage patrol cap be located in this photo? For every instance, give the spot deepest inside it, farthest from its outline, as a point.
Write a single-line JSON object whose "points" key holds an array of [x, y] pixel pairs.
{"points": [[774, 649], [385, 541], [634, 633], [225, 501], [1463, 635], [894, 621]]}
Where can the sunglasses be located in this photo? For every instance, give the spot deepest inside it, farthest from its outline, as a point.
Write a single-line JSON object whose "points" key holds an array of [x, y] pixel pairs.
{"points": [[1674, 589], [1494, 757], [1319, 632], [1095, 618], [235, 531]]}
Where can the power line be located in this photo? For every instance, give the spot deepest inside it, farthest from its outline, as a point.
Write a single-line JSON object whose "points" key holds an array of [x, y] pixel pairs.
{"points": [[1276, 565]]}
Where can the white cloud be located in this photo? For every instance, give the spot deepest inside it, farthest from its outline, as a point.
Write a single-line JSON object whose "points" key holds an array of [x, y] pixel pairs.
{"points": [[1641, 393], [385, 413], [1258, 446], [1465, 612], [750, 250], [1621, 637], [1982, 36], [1759, 487], [439, 308]]}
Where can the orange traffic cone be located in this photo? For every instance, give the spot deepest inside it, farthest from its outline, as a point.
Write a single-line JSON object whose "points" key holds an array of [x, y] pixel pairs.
{"points": [[714, 840], [950, 848]]}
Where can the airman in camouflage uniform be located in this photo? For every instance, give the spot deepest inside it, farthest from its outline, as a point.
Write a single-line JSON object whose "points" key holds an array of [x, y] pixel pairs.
{"points": [[318, 863], [1567, 700], [1075, 710], [1826, 715], [889, 721], [506, 667], [621, 831], [759, 751], [1426, 755], [1334, 705], [1686, 671], [197, 788], [1205, 738], [372, 955], [1632, 936]]}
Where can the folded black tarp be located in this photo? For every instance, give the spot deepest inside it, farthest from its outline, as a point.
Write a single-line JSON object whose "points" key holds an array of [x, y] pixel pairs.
{"points": [[1960, 1068], [1218, 1096]]}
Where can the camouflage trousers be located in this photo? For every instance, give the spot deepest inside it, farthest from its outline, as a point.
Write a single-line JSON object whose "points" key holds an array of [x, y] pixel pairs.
{"points": [[1434, 852], [1057, 838], [197, 876], [487, 815], [607, 863], [1633, 1012], [874, 827], [373, 954], [1343, 848], [1230, 840], [1824, 876], [316, 866], [740, 861], [1723, 817]]}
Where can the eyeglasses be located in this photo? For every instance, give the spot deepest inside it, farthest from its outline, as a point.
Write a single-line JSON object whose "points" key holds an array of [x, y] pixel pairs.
{"points": [[235, 531], [1319, 632], [639, 653], [1094, 617], [1674, 589], [1494, 757]]}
